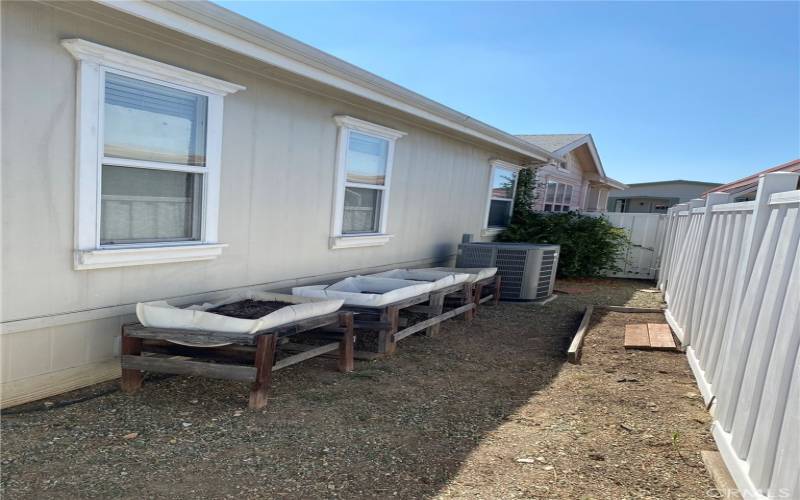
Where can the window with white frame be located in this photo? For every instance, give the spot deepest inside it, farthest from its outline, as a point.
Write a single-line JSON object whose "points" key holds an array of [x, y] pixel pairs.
{"points": [[363, 178], [149, 140], [501, 194], [558, 197]]}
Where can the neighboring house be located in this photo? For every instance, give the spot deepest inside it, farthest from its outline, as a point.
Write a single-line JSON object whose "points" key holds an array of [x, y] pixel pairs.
{"points": [[745, 189], [656, 197], [179, 151], [576, 179]]}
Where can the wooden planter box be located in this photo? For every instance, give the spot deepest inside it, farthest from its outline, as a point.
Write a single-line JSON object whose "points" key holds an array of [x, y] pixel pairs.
{"points": [[250, 357], [386, 320], [487, 289]]}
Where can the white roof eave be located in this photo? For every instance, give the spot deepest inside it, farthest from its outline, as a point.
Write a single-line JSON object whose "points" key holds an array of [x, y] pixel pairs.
{"points": [[223, 28]]}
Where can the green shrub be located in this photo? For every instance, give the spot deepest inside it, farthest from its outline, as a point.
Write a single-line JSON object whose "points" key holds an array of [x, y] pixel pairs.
{"points": [[525, 195], [589, 245]]}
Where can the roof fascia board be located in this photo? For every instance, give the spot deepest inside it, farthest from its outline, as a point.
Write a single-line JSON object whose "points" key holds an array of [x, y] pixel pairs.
{"points": [[586, 139], [676, 181], [608, 181], [615, 183], [215, 25]]}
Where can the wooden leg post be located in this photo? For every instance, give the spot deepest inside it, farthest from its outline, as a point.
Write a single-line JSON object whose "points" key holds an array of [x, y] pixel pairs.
{"points": [[436, 303], [386, 343], [497, 281], [131, 378], [477, 298], [467, 299], [265, 357], [346, 345]]}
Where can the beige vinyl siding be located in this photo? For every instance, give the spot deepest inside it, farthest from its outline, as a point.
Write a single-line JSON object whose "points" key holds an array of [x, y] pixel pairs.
{"points": [[277, 178]]}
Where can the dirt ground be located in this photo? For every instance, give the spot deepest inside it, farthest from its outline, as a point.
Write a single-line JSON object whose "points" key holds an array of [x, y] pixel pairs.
{"points": [[487, 409]]}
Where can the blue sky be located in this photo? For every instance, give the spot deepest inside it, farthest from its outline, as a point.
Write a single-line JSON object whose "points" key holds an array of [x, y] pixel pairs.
{"points": [[691, 90]]}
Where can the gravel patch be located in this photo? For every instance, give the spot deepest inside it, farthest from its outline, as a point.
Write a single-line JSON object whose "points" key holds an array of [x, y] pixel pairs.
{"points": [[486, 409]]}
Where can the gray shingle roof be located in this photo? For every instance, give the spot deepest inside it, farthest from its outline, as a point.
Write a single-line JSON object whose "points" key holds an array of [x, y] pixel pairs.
{"points": [[552, 142]]}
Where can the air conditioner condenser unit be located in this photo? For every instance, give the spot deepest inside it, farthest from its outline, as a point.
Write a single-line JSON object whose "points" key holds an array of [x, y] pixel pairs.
{"points": [[528, 270]]}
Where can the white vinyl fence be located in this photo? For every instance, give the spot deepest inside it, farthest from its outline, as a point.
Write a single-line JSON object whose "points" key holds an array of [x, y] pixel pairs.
{"points": [[730, 273], [640, 257]]}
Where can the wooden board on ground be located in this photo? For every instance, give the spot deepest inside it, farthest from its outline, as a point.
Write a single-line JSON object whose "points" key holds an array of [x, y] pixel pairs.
{"points": [[574, 351], [656, 336], [636, 336], [660, 336]]}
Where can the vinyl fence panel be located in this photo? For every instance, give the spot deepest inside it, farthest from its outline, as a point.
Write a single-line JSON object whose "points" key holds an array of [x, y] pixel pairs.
{"points": [[730, 273], [639, 259]]}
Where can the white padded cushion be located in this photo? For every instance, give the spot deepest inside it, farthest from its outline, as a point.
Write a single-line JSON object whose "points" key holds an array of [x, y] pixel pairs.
{"points": [[387, 290], [440, 279], [161, 314], [475, 273]]}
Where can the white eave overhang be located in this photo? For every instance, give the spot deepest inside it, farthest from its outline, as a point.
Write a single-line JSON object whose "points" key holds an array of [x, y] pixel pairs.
{"points": [[606, 181], [223, 28]]}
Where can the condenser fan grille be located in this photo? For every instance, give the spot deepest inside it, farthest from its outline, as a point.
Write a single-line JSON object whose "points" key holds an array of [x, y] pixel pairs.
{"points": [[545, 274], [476, 256], [512, 262]]}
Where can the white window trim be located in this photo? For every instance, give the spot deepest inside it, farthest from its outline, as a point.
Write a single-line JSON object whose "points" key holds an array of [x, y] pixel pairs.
{"points": [[94, 61], [346, 125], [494, 230]]}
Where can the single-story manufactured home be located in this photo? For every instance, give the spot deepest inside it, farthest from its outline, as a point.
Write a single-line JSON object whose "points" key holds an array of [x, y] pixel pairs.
{"points": [[656, 197], [178, 151], [576, 179]]}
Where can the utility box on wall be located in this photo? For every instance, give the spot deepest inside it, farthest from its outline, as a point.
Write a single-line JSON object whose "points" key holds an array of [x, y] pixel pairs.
{"points": [[528, 270]]}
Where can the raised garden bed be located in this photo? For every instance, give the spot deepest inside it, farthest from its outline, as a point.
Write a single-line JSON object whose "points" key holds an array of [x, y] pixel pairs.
{"points": [[378, 303], [239, 338]]}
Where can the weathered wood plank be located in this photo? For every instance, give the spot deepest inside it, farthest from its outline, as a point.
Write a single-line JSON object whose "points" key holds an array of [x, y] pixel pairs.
{"points": [[574, 351], [304, 325], [265, 359], [630, 309], [231, 353], [311, 352], [140, 331], [131, 378], [188, 367], [144, 332], [432, 321], [466, 298], [497, 288], [387, 341], [347, 344], [434, 310], [636, 336], [660, 336]]}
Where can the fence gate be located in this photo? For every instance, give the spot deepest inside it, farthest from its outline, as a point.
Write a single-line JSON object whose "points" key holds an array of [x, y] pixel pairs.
{"points": [[640, 258]]}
